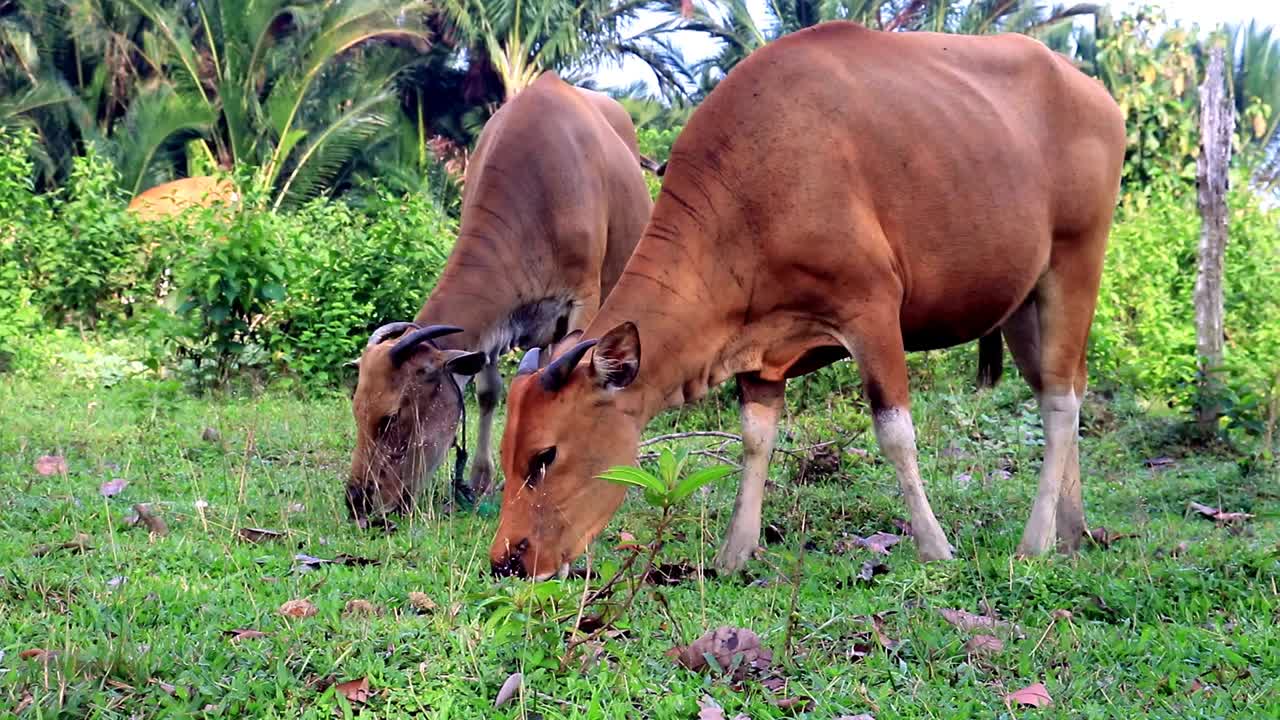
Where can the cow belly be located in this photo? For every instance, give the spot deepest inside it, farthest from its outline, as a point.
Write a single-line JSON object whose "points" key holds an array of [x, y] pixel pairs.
{"points": [[964, 317]]}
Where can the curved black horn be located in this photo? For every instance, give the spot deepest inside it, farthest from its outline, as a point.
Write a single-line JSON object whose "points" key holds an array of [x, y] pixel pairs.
{"points": [[529, 363], [405, 346], [389, 329], [557, 373]]}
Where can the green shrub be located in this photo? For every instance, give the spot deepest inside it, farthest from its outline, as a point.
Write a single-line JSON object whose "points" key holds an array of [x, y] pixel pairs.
{"points": [[656, 144], [354, 270], [18, 201], [84, 266], [1144, 332]]}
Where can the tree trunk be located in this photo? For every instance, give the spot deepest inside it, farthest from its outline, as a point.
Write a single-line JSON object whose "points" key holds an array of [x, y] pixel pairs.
{"points": [[1217, 123]]}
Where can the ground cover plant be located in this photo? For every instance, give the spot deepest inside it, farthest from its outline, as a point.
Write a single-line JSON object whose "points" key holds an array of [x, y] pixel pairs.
{"points": [[258, 598]]}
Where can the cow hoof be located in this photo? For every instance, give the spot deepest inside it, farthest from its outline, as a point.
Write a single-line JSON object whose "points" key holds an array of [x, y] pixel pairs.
{"points": [[934, 553], [481, 479]]}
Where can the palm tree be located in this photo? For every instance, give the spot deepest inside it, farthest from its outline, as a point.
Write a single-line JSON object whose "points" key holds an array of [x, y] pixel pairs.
{"points": [[516, 40], [1255, 76], [730, 22]]}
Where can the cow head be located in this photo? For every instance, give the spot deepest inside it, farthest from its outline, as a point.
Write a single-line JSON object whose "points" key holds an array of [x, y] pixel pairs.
{"points": [[566, 424], [407, 406]]}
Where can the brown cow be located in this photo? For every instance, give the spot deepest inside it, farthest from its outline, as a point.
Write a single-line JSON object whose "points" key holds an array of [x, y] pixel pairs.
{"points": [[553, 205], [843, 192], [168, 199]]}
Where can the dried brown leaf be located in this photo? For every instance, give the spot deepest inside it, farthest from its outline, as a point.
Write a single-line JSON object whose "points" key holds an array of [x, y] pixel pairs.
{"points": [[422, 602], [1105, 538], [51, 465], [38, 654], [298, 609], [360, 608], [861, 716], [969, 622], [870, 569], [509, 689], [112, 488], [241, 634], [258, 535], [170, 689], [1219, 516], [155, 525], [984, 645], [736, 651], [80, 543], [1035, 695], [357, 691], [795, 704]]}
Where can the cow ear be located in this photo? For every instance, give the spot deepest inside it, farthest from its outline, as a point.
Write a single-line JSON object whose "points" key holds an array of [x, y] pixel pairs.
{"points": [[461, 362], [616, 360]]}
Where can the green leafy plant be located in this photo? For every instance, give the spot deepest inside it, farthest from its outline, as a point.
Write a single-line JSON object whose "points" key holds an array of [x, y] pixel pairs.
{"points": [[666, 489]]}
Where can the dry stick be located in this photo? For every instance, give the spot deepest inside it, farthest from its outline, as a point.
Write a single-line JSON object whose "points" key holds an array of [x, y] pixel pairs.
{"points": [[695, 433], [667, 516]]}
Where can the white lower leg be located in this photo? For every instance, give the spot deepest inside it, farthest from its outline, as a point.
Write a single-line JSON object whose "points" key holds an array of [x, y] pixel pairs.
{"points": [[759, 432], [1060, 414], [897, 437], [488, 387]]}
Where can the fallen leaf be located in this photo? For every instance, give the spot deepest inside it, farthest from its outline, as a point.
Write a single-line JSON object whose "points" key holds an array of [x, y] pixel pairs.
{"points": [[39, 654], [257, 535], [357, 691], [797, 704], [1036, 695], [153, 522], [886, 642], [78, 544], [1159, 463], [421, 602], [51, 465], [210, 435], [296, 507], [870, 569], [1061, 615], [170, 689], [984, 645], [736, 651], [862, 716], [306, 562], [880, 542], [1105, 538], [676, 573], [903, 526], [238, 635], [116, 581], [359, 608], [626, 537], [298, 609], [113, 487], [1219, 516], [509, 689], [709, 709], [969, 622]]}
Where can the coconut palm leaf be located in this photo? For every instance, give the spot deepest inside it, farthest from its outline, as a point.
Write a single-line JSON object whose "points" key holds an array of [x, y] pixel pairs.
{"points": [[150, 144]]}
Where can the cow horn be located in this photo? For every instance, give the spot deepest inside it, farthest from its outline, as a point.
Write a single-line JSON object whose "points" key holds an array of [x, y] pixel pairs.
{"points": [[405, 346], [529, 363], [557, 373], [389, 329]]}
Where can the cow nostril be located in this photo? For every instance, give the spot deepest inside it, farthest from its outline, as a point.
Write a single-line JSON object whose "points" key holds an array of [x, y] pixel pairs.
{"points": [[511, 564]]}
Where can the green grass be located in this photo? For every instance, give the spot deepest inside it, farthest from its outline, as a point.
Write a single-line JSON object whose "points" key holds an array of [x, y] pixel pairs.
{"points": [[139, 624]]}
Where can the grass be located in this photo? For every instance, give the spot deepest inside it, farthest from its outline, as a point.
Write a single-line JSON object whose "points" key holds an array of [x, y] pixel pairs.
{"points": [[138, 624]]}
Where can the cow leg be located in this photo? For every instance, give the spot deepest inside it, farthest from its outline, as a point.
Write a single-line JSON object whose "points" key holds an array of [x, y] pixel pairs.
{"points": [[1063, 310], [488, 391], [761, 406], [882, 360]]}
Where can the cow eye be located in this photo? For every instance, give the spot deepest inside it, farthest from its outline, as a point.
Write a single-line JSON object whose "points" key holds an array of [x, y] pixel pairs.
{"points": [[538, 465]]}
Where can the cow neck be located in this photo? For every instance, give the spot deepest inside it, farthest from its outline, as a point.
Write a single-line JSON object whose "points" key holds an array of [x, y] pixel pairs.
{"points": [[478, 291], [685, 313]]}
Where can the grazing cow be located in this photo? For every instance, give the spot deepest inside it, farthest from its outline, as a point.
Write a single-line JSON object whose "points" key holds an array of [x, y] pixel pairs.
{"points": [[843, 192], [553, 204]]}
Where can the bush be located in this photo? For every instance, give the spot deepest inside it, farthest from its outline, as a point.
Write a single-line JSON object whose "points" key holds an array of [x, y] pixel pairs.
{"points": [[354, 270], [18, 201], [1144, 333]]}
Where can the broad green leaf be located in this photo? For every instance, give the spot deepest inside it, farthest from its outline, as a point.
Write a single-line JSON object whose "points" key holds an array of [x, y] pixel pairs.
{"points": [[633, 476], [691, 483]]}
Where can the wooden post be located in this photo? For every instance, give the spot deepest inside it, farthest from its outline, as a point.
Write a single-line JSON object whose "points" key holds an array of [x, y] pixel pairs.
{"points": [[1217, 123]]}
